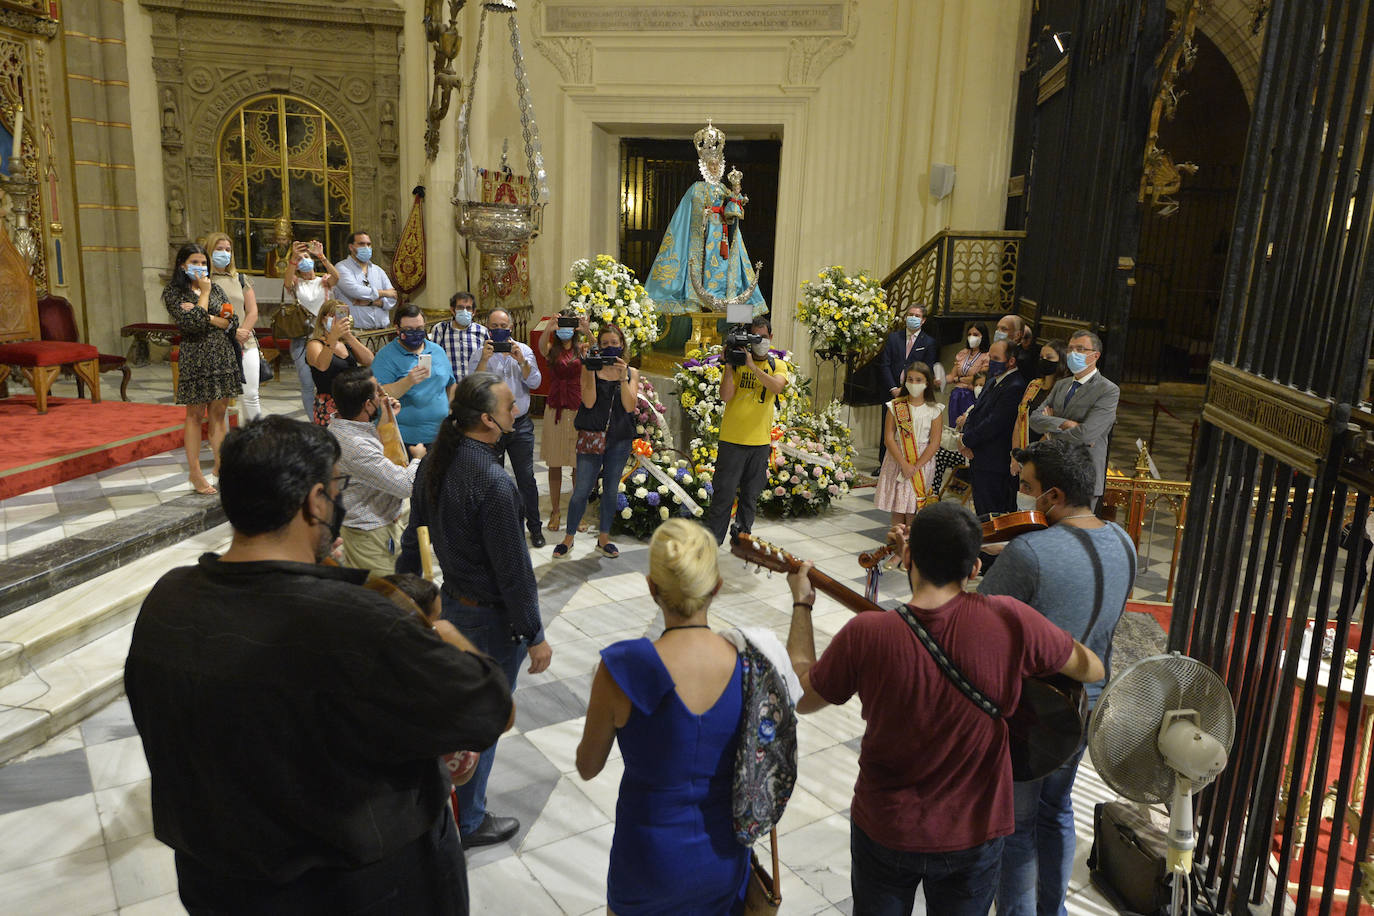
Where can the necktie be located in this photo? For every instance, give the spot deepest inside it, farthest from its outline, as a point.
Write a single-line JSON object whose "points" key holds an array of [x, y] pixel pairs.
{"points": [[910, 339], [1073, 389]]}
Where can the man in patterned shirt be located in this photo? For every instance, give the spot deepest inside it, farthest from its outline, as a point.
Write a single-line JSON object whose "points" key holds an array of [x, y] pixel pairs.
{"points": [[462, 338], [476, 522], [378, 487]]}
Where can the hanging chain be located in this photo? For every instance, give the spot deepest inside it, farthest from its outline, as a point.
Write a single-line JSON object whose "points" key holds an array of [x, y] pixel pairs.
{"points": [[465, 114], [534, 153]]}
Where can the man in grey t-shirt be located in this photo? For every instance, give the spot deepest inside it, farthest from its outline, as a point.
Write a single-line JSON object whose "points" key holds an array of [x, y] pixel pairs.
{"points": [[1078, 573]]}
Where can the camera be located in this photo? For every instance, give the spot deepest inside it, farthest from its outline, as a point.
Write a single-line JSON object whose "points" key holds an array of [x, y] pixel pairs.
{"points": [[738, 343], [595, 360], [500, 340], [568, 321]]}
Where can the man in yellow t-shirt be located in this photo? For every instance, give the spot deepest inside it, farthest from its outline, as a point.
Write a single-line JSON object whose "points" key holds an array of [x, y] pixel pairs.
{"points": [[750, 393]]}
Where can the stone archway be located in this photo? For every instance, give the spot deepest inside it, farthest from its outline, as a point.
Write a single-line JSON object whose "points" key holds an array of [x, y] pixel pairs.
{"points": [[361, 93]]}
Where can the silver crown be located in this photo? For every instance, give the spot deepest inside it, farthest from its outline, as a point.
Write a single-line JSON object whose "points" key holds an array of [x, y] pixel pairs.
{"points": [[709, 141]]}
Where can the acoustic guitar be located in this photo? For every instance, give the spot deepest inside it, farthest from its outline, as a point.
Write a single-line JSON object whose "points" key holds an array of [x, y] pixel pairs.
{"points": [[996, 529], [1046, 729]]}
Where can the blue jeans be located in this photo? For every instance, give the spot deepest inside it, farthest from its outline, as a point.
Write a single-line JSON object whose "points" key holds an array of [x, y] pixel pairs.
{"points": [[1038, 857], [608, 468], [489, 631], [884, 881], [303, 373], [519, 444]]}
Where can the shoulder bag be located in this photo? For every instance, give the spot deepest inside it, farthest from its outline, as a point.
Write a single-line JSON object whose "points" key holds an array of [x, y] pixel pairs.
{"points": [[593, 442], [291, 320]]}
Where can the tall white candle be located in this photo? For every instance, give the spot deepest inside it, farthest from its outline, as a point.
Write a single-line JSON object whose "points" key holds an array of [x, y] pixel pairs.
{"points": [[17, 149]]}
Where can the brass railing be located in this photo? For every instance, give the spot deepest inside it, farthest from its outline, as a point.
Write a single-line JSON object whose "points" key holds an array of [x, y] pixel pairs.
{"points": [[959, 274], [1142, 494]]}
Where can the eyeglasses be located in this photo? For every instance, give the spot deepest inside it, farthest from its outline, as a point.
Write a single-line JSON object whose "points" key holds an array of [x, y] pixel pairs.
{"points": [[1081, 350], [342, 480]]}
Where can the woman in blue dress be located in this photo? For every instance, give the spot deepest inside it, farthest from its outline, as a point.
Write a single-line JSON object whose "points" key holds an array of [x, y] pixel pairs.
{"points": [[674, 704]]}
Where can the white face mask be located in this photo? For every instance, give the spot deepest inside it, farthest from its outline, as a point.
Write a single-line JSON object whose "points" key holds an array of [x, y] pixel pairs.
{"points": [[1025, 502], [761, 348], [916, 388], [974, 341]]}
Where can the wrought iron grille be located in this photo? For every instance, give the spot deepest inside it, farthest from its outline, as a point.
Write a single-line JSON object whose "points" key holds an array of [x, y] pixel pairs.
{"points": [[1271, 541]]}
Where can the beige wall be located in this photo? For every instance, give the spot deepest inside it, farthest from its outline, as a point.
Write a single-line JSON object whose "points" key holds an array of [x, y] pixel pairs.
{"points": [[145, 115]]}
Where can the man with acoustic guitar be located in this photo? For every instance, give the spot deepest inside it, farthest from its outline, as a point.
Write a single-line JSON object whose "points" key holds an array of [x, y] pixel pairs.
{"points": [[933, 801], [1078, 573]]}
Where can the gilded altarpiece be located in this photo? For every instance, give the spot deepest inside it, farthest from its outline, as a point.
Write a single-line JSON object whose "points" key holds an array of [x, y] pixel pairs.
{"points": [[212, 57]]}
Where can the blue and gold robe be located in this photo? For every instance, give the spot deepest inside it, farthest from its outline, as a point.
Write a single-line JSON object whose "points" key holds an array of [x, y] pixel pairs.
{"points": [[694, 241]]}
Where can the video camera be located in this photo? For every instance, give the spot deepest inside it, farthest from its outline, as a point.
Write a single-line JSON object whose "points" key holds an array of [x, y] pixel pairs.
{"points": [[601, 359], [738, 342]]}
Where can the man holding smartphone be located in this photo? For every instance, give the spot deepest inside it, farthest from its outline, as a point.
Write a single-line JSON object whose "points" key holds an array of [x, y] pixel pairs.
{"points": [[514, 363], [417, 373]]}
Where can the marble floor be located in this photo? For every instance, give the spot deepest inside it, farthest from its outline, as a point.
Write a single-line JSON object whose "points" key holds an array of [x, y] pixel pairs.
{"points": [[75, 823]]}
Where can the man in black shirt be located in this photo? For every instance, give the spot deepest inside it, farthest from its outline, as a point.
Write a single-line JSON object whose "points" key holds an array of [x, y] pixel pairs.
{"points": [[476, 522], [292, 719]]}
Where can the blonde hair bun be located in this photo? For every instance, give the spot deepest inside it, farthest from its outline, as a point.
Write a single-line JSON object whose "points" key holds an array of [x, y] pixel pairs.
{"points": [[682, 565]]}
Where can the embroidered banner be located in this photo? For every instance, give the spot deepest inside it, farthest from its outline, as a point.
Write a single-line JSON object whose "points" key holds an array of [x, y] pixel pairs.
{"points": [[408, 266]]}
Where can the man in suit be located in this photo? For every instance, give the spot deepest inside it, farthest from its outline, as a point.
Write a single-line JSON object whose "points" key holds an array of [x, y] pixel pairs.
{"points": [[1013, 327], [904, 346], [987, 431], [1082, 407]]}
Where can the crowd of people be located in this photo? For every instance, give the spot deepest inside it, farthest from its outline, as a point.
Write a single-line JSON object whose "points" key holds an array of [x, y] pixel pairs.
{"points": [[320, 742]]}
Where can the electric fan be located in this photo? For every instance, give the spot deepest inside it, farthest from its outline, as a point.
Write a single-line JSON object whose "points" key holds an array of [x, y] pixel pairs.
{"points": [[1160, 732]]}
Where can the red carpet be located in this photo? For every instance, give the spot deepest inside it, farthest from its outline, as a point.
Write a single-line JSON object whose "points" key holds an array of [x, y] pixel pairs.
{"points": [[75, 438]]}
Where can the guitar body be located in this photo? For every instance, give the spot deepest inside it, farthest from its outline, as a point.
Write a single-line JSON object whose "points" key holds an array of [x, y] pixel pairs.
{"points": [[1047, 728], [390, 434]]}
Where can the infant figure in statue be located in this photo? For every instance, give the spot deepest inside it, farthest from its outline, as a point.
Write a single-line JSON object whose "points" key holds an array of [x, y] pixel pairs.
{"points": [[702, 263]]}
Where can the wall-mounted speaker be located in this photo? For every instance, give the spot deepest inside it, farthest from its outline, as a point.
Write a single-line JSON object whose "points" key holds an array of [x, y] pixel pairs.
{"points": [[941, 180]]}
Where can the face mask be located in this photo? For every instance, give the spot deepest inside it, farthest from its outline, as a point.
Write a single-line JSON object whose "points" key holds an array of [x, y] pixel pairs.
{"points": [[612, 352], [977, 390], [305, 266], [326, 541], [196, 271], [1025, 502], [329, 324], [414, 338], [916, 388], [761, 348], [999, 335], [995, 368], [564, 333], [1047, 366], [462, 317], [1077, 362], [913, 323], [500, 335], [221, 259], [974, 341], [364, 253]]}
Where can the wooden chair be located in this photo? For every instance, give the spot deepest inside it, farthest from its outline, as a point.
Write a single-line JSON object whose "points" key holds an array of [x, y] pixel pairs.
{"points": [[57, 321]]}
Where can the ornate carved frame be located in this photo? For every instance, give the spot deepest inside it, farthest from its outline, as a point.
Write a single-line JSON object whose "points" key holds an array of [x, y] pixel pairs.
{"points": [[344, 58]]}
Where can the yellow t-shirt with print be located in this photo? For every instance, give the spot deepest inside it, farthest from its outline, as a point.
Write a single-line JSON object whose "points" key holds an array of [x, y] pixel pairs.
{"points": [[749, 415]]}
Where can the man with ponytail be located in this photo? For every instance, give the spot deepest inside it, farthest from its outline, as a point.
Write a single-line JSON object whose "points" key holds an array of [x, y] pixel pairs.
{"points": [[476, 522]]}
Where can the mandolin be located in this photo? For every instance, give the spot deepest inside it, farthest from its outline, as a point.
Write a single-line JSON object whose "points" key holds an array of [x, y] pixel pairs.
{"points": [[996, 529], [1043, 733]]}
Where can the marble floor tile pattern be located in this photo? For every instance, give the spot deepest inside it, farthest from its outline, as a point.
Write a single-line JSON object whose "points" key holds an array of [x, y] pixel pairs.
{"points": [[75, 823]]}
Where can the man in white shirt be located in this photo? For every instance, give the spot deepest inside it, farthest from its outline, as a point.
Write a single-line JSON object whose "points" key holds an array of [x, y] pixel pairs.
{"points": [[364, 285], [514, 364]]}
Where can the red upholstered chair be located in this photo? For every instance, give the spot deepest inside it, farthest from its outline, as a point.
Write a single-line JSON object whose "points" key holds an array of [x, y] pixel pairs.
{"points": [[42, 360], [57, 322]]}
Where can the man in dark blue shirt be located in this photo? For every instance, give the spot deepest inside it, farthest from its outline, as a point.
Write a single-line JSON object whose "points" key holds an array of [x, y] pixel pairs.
{"points": [[476, 522]]}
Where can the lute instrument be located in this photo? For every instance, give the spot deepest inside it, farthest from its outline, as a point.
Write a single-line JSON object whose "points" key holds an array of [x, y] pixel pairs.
{"points": [[997, 529], [1044, 731]]}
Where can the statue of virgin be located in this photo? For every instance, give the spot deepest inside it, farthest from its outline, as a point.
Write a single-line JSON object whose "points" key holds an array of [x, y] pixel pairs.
{"points": [[702, 263]]}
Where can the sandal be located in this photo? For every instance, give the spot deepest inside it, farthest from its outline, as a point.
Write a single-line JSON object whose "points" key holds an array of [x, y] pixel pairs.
{"points": [[555, 521], [608, 550], [560, 551], [204, 489]]}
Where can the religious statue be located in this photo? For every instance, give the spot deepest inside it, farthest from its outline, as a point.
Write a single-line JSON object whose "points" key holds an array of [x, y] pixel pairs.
{"points": [[280, 252], [387, 135], [702, 264], [171, 129], [446, 42], [176, 215], [388, 234]]}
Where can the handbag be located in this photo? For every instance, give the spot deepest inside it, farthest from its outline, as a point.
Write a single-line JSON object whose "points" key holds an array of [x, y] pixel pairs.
{"points": [[265, 373], [763, 896], [766, 758], [593, 442], [291, 320]]}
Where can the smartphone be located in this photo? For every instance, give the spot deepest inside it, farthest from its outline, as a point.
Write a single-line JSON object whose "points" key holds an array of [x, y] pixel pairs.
{"points": [[342, 310], [426, 361]]}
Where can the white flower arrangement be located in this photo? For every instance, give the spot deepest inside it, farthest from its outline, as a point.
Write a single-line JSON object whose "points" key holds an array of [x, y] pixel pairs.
{"points": [[645, 504], [845, 314], [606, 291]]}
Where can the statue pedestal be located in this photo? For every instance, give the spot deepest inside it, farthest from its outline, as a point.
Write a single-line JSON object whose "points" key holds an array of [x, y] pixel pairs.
{"points": [[704, 333]]}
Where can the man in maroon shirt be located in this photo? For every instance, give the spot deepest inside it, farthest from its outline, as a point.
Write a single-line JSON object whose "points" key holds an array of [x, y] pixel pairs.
{"points": [[933, 800]]}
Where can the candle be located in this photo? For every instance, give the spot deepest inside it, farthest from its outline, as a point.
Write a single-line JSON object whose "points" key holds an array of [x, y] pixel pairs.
{"points": [[17, 149]]}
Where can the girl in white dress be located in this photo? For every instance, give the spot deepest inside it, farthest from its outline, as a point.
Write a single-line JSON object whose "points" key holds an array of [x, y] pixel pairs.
{"points": [[911, 427]]}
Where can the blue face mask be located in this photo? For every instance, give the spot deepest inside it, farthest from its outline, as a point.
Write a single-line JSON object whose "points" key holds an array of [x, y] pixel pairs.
{"points": [[221, 259], [462, 317], [995, 368], [364, 253], [913, 323], [500, 335], [196, 271], [564, 333], [414, 338], [1077, 362], [612, 352], [305, 266]]}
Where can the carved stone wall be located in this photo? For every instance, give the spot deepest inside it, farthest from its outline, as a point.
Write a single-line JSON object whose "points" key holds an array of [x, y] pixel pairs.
{"points": [[210, 56]]}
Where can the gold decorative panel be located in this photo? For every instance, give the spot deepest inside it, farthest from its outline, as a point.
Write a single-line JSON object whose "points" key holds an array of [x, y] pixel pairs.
{"points": [[1279, 420], [982, 274]]}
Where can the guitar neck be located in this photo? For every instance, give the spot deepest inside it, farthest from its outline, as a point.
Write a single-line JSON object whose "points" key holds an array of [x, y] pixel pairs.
{"points": [[841, 593]]}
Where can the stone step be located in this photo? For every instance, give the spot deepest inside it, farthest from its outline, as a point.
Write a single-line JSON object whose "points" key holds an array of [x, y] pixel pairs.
{"points": [[63, 658]]}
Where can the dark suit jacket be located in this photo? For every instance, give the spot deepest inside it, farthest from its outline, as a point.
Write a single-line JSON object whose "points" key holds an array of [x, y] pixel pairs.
{"points": [[987, 431], [893, 358], [1093, 408]]}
